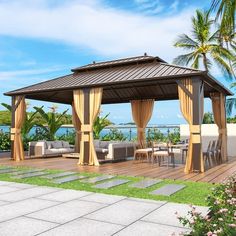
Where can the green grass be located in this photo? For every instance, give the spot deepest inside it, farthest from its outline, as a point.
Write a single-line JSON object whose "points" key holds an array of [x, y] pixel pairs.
{"points": [[194, 192]]}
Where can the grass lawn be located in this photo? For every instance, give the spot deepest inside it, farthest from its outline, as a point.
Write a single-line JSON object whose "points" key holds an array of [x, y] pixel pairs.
{"points": [[194, 192]]}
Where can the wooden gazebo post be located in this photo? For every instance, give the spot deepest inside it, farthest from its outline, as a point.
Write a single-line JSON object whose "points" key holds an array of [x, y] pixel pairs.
{"points": [[191, 102], [197, 121], [13, 109], [86, 142]]}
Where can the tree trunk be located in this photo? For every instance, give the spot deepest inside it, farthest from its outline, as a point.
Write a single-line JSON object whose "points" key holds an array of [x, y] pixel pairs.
{"points": [[205, 62]]}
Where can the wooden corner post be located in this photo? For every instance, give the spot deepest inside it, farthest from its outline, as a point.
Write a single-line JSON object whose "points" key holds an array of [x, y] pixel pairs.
{"points": [[198, 89], [86, 122], [13, 110]]}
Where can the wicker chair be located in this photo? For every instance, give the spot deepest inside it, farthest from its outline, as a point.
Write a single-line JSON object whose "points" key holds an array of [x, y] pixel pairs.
{"points": [[143, 152]]}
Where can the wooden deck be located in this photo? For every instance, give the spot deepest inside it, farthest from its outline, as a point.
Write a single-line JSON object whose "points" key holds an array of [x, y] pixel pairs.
{"points": [[213, 175]]}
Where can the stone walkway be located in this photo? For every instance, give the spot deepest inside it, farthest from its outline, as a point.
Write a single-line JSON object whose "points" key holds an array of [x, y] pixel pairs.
{"points": [[27, 210]]}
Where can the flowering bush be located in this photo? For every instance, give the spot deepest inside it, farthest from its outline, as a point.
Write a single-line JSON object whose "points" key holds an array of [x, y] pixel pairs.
{"points": [[221, 219]]}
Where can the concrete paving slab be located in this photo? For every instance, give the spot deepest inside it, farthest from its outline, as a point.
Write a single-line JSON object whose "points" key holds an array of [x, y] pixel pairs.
{"points": [[103, 198], [68, 179], [84, 227], [29, 175], [20, 208], [7, 189], [4, 183], [97, 179], [166, 214], [22, 194], [57, 175], [21, 185], [124, 212], [24, 226], [146, 183], [3, 203], [64, 195], [67, 211], [22, 172], [141, 228], [6, 171], [168, 190], [111, 184]]}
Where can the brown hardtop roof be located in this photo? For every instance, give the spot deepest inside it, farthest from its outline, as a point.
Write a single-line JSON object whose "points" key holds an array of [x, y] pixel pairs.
{"points": [[118, 62], [134, 70]]}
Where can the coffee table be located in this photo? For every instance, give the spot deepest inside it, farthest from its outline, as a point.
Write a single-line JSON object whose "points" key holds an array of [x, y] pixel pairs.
{"points": [[71, 155]]}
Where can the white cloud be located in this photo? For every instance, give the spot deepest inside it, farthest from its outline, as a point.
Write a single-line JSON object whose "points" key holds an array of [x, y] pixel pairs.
{"points": [[174, 5], [14, 74], [105, 30]]}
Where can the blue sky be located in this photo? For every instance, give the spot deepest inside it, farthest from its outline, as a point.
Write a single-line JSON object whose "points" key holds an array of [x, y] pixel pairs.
{"points": [[43, 39]]}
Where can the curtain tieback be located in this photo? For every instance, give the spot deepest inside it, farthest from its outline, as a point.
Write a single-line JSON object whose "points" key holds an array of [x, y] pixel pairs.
{"points": [[141, 129], [195, 129], [15, 131], [222, 131], [86, 128]]}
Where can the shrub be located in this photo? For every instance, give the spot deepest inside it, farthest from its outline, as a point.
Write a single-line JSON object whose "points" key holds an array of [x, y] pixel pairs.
{"points": [[155, 135], [5, 142], [70, 137], [114, 134], [221, 219], [174, 136]]}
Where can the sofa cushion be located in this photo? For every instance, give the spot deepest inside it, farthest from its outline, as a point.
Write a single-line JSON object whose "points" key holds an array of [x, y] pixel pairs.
{"points": [[65, 144], [103, 150], [57, 144], [96, 143], [65, 150], [104, 144], [52, 151]]}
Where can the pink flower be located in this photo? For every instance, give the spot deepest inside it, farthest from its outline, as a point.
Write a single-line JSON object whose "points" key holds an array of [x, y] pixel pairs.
{"points": [[209, 233], [232, 225], [223, 210]]}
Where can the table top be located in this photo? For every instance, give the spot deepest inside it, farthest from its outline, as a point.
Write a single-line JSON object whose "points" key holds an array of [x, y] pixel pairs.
{"points": [[72, 155]]}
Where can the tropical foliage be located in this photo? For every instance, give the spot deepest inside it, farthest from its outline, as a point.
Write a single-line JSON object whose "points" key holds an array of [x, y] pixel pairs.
{"points": [[52, 122], [5, 142], [100, 123], [208, 118], [114, 134]]}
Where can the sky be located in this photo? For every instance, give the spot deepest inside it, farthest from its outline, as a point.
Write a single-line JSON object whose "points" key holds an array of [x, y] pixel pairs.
{"points": [[44, 39]]}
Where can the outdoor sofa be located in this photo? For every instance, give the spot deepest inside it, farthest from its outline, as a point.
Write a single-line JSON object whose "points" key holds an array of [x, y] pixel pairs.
{"points": [[49, 148], [106, 150], [114, 150]]}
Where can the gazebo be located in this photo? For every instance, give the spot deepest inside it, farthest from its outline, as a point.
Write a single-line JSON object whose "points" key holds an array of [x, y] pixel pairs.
{"points": [[139, 80]]}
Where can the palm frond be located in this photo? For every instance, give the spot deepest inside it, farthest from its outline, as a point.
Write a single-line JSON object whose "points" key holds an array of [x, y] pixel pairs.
{"points": [[230, 105], [184, 59], [7, 106]]}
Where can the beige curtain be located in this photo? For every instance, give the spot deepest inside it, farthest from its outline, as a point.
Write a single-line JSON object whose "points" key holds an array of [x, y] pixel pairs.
{"points": [[20, 112], [95, 98], [77, 125], [185, 90], [219, 112], [142, 112]]}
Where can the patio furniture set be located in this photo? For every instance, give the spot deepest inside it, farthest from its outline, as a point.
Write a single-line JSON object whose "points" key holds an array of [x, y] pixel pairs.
{"points": [[159, 152]]}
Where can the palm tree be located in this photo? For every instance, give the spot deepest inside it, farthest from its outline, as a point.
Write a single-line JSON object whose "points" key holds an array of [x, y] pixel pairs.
{"points": [[225, 11], [203, 46], [52, 121]]}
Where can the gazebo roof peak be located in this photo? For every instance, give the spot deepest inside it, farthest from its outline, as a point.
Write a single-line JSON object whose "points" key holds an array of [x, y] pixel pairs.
{"points": [[119, 62]]}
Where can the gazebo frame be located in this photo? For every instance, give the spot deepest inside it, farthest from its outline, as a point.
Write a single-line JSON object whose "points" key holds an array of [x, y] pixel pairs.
{"points": [[121, 81]]}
